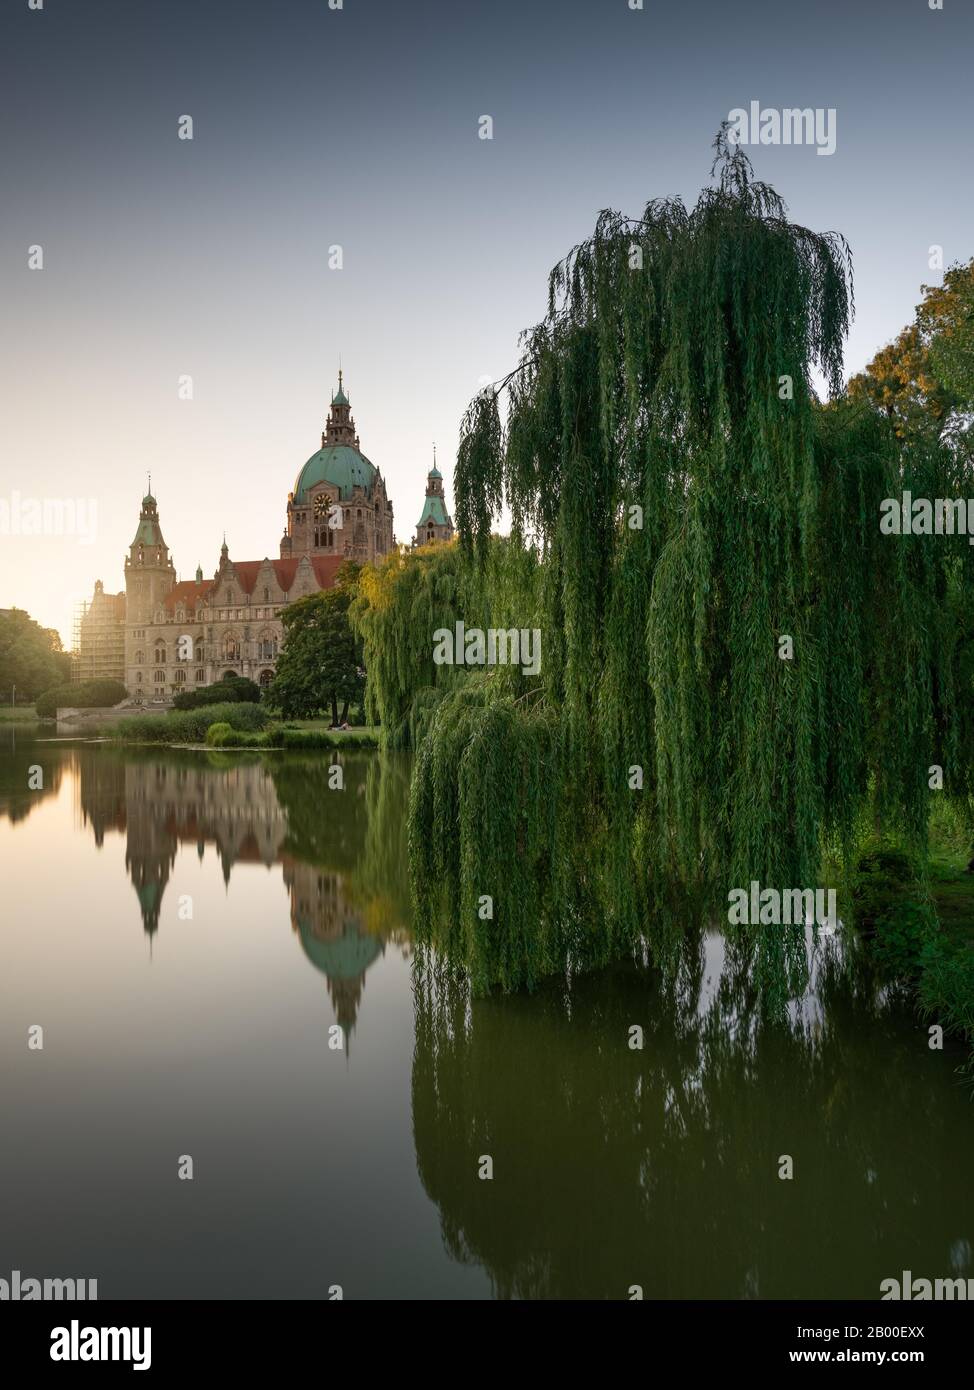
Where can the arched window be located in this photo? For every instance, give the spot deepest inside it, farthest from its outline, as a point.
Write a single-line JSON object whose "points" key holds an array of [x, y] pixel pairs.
{"points": [[159, 677], [180, 677], [267, 594], [160, 654], [265, 679], [198, 650], [200, 677], [140, 658], [266, 647], [231, 647]]}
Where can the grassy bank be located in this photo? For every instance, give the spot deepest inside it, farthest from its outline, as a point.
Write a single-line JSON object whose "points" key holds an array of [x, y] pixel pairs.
{"points": [[188, 725], [237, 725], [18, 714], [278, 736]]}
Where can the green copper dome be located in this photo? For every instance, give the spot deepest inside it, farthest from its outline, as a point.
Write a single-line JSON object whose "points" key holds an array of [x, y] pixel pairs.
{"points": [[338, 464], [434, 511], [340, 398]]}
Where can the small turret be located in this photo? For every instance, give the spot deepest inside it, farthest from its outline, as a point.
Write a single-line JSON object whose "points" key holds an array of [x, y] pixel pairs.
{"points": [[435, 523], [340, 427]]}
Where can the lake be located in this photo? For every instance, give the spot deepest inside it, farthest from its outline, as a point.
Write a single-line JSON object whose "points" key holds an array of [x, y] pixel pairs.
{"points": [[188, 927]]}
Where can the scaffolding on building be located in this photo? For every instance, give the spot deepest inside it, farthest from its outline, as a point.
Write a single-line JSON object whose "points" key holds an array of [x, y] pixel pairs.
{"points": [[80, 613], [98, 637]]}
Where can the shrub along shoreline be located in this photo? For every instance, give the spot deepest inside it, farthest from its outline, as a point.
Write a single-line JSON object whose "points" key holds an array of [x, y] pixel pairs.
{"points": [[233, 725]]}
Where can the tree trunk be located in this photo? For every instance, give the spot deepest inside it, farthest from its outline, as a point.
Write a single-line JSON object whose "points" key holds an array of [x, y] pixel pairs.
{"points": [[334, 712], [344, 713]]}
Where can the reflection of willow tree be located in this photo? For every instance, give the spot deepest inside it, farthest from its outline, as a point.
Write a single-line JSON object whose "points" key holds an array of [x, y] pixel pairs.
{"points": [[325, 826], [381, 881], [17, 800], [693, 504], [359, 832], [666, 1159]]}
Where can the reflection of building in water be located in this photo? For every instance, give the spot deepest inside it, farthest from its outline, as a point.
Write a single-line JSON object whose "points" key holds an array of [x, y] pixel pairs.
{"points": [[160, 805], [331, 935]]}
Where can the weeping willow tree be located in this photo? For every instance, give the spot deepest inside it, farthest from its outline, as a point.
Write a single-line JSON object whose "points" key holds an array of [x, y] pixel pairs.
{"points": [[411, 595], [735, 661]]}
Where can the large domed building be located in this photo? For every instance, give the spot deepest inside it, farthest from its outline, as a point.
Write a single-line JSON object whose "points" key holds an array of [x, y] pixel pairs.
{"points": [[179, 635], [339, 503]]}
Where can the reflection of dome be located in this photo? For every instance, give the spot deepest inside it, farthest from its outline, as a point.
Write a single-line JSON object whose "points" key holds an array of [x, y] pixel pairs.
{"points": [[342, 958]]}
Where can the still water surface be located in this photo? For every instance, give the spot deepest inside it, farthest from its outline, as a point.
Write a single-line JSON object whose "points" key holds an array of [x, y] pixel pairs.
{"points": [[187, 927]]}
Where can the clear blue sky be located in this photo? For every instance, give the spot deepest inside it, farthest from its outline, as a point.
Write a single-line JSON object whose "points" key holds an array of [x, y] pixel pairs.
{"points": [[358, 127]]}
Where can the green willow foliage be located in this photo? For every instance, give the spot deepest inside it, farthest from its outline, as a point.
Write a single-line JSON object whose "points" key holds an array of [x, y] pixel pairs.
{"points": [[672, 374], [405, 599], [399, 602]]}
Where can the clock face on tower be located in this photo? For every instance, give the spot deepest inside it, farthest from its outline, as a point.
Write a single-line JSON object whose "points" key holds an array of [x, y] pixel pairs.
{"points": [[322, 505]]}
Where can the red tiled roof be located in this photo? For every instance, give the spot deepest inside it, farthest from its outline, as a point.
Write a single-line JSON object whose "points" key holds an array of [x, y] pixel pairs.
{"points": [[245, 573], [325, 568], [187, 592]]}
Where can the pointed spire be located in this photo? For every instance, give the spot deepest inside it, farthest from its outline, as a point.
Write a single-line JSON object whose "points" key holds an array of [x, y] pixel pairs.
{"points": [[339, 427]]}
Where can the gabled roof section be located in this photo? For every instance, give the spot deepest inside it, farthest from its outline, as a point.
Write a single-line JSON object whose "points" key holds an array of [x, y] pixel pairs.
{"points": [[188, 593], [324, 567]]}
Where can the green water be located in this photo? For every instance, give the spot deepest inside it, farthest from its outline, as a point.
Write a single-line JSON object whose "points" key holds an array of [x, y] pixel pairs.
{"points": [[188, 929]]}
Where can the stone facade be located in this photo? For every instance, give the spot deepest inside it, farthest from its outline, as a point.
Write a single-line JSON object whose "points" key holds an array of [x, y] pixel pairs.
{"points": [[175, 635]]}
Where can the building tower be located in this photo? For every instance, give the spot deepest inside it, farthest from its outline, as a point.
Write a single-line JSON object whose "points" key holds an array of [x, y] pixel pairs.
{"points": [[149, 578], [435, 524]]}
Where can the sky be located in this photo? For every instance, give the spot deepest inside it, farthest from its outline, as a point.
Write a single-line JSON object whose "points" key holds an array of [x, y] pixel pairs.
{"points": [[359, 127]]}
